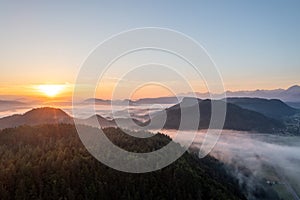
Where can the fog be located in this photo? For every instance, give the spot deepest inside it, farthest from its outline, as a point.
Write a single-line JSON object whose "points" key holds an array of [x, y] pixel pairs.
{"points": [[139, 112], [258, 161]]}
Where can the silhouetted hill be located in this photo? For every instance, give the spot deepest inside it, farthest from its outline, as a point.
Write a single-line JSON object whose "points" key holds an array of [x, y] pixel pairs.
{"points": [[36, 116], [108, 102], [273, 108], [237, 118], [11, 103], [158, 100], [295, 89], [97, 101], [49, 115], [95, 120]]}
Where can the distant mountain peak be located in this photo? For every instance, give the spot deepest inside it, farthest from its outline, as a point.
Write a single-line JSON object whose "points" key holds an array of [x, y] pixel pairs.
{"points": [[294, 88], [47, 111], [43, 115], [190, 100], [96, 101]]}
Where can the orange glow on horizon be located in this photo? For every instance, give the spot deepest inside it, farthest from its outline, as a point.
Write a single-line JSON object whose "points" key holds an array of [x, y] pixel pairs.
{"points": [[51, 90], [63, 91]]}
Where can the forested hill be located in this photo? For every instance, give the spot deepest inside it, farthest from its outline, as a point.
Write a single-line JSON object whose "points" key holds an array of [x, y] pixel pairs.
{"points": [[50, 162], [272, 108], [36, 116], [237, 118]]}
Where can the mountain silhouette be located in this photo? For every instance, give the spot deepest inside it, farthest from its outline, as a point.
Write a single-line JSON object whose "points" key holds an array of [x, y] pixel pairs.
{"points": [[247, 115], [48, 115], [97, 101], [45, 115], [10, 105], [237, 118], [95, 121], [158, 100], [273, 108], [292, 94], [294, 89], [155, 100]]}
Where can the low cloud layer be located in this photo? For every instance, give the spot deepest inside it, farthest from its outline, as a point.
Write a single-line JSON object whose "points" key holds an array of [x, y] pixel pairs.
{"points": [[258, 161]]}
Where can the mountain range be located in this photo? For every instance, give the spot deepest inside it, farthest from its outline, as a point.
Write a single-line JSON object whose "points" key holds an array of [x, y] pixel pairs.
{"points": [[157, 100], [48, 115], [292, 94], [5, 104], [245, 114]]}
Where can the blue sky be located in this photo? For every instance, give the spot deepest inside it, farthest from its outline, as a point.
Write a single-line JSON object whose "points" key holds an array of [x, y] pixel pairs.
{"points": [[255, 44]]}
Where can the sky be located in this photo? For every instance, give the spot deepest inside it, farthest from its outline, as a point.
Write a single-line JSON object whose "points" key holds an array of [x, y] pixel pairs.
{"points": [[255, 44]]}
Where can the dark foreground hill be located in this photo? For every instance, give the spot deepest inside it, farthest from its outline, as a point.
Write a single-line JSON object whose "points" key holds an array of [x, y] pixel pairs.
{"points": [[237, 118], [50, 162]]}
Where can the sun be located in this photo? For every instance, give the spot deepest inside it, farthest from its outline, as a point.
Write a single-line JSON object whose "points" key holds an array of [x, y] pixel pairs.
{"points": [[51, 90]]}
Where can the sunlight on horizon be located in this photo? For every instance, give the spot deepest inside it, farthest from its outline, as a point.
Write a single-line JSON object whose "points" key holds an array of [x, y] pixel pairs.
{"points": [[51, 90]]}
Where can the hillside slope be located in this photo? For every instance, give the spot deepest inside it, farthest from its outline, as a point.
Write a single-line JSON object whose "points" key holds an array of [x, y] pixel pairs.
{"points": [[36, 116], [273, 108], [237, 118]]}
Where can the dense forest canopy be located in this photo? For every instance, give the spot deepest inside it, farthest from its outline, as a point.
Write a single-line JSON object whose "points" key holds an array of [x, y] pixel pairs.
{"points": [[50, 162]]}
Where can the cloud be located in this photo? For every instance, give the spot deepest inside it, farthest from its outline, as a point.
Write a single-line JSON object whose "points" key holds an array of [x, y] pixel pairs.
{"points": [[255, 159]]}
